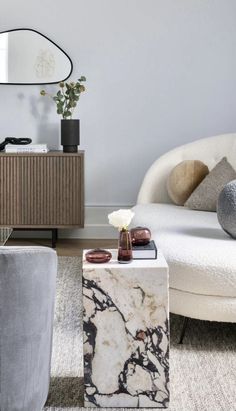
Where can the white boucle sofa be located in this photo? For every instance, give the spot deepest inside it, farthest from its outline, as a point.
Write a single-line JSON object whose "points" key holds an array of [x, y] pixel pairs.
{"points": [[201, 256]]}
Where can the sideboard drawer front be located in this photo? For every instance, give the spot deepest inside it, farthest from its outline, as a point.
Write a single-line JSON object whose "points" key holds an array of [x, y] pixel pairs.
{"points": [[41, 190]]}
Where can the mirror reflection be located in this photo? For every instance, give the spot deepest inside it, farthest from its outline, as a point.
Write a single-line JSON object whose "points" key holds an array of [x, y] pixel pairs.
{"points": [[28, 57]]}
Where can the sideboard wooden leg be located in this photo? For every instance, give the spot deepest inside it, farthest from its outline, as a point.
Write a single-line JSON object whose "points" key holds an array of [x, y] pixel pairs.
{"points": [[54, 237]]}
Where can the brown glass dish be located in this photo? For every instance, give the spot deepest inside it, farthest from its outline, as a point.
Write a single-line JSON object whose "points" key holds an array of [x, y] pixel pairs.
{"points": [[98, 256], [140, 235]]}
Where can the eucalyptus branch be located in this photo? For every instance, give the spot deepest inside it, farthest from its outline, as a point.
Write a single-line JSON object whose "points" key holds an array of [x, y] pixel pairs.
{"points": [[67, 97]]}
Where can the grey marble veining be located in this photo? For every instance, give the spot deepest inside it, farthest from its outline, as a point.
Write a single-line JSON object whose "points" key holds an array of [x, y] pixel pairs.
{"points": [[126, 334]]}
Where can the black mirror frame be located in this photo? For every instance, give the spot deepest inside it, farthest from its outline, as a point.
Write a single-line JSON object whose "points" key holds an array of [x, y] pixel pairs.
{"points": [[51, 41]]}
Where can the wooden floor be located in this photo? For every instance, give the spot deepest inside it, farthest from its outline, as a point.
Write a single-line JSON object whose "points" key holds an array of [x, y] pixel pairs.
{"points": [[65, 247]]}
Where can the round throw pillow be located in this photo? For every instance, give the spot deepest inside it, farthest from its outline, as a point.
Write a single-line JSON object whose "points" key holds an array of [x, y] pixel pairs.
{"points": [[226, 208], [184, 178]]}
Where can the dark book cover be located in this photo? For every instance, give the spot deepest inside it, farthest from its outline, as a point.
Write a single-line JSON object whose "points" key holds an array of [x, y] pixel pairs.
{"points": [[145, 252]]}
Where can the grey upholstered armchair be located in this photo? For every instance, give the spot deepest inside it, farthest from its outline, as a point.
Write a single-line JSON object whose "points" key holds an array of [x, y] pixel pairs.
{"points": [[27, 293]]}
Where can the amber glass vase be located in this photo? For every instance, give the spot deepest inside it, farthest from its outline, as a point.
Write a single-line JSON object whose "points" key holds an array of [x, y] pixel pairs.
{"points": [[125, 247]]}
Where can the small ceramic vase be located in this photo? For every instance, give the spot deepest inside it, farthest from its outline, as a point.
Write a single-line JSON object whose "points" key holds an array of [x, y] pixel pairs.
{"points": [[140, 235]]}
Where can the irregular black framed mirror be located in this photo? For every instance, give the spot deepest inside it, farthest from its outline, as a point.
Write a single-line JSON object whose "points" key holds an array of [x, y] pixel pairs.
{"points": [[29, 57]]}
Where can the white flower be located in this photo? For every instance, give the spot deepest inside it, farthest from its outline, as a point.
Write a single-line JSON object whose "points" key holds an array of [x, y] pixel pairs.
{"points": [[121, 218]]}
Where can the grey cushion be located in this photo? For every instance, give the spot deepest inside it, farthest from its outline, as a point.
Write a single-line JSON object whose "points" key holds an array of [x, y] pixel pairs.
{"points": [[226, 208], [206, 194], [27, 292]]}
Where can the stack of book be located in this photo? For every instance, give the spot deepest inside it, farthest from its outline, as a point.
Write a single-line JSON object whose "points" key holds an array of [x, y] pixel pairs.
{"points": [[27, 148], [145, 252]]}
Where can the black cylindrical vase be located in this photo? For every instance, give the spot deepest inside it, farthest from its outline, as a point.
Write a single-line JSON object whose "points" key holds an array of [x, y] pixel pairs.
{"points": [[70, 135]]}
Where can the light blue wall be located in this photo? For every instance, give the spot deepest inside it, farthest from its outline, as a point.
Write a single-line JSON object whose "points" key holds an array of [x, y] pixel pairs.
{"points": [[160, 73]]}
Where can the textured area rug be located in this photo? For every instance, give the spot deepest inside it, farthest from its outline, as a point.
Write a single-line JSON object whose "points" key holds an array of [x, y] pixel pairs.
{"points": [[202, 370]]}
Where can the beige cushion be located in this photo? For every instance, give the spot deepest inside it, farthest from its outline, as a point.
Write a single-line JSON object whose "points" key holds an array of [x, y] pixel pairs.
{"points": [[184, 178], [206, 194]]}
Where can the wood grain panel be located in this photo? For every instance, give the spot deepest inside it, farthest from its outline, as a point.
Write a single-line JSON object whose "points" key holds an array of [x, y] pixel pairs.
{"points": [[42, 190]]}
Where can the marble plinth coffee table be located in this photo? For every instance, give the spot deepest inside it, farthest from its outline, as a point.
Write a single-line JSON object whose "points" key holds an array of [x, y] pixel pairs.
{"points": [[126, 333]]}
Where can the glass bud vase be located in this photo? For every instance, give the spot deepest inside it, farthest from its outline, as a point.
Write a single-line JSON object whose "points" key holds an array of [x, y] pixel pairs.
{"points": [[125, 247]]}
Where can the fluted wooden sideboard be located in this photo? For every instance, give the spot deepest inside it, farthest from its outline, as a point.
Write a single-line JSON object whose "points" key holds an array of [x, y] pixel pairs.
{"points": [[42, 191]]}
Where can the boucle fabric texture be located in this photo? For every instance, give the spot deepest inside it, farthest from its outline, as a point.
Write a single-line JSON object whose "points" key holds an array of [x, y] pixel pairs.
{"points": [[206, 194], [226, 209], [202, 370], [201, 256], [184, 178]]}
